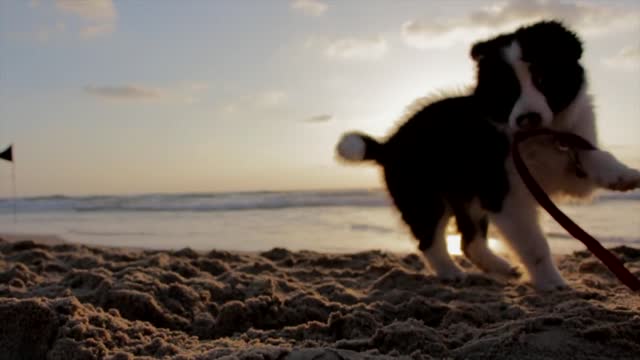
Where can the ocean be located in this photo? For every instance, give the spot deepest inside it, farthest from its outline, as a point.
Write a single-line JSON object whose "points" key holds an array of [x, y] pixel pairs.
{"points": [[327, 221]]}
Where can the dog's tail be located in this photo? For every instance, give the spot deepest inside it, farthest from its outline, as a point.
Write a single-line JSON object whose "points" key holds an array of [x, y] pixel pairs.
{"points": [[358, 147]]}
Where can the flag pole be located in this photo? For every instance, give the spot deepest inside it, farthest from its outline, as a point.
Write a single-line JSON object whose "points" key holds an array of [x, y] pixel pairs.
{"points": [[15, 201], [7, 155]]}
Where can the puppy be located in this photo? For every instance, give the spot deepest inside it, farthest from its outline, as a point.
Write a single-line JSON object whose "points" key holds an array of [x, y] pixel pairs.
{"points": [[450, 155]]}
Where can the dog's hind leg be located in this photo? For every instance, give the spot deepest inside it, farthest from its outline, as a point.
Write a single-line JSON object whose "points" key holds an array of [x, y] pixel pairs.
{"points": [[427, 215], [473, 224], [428, 225]]}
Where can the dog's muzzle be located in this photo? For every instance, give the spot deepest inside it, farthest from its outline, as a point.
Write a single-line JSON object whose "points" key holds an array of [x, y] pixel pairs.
{"points": [[530, 120]]}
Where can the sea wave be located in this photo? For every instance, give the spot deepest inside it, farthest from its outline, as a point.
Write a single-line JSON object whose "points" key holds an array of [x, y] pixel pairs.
{"points": [[618, 196], [198, 202], [211, 202], [605, 239]]}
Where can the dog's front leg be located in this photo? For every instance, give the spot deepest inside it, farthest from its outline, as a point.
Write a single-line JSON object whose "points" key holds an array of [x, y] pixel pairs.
{"points": [[607, 172], [519, 224]]}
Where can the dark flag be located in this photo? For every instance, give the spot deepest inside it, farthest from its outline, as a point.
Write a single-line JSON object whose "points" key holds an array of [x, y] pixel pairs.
{"points": [[7, 154]]}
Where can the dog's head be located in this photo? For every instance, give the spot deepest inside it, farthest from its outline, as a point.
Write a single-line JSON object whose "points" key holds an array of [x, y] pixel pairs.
{"points": [[526, 77]]}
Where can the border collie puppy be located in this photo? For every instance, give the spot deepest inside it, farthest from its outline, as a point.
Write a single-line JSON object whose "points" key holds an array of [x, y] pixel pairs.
{"points": [[450, 156]]}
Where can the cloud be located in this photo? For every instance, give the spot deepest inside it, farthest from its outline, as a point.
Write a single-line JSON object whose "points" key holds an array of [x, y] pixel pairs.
{"points": [[230, 108], [123, 92], [309, 7], [432, 35], [90, 10], [351, 48], [190, 92], [628, 58], [46, 32], [196, 86], [185, 92], [323, 118], [99, 16], [587, 18], [270, 99], [96, 30]]}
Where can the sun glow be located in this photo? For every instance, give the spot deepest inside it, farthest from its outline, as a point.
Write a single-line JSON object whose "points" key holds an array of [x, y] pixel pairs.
{"points": [[455, 248]]}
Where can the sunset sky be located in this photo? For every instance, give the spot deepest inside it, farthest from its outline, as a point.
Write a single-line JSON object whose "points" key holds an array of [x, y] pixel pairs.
{"points": [[118, 97]]}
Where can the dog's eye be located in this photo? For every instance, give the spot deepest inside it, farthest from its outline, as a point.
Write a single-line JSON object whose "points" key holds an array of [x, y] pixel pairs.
{"points": [[536, 76], [538, 80]]}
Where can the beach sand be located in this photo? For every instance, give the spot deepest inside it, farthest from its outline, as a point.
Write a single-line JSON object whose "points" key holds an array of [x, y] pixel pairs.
{"points": [[68, 301]]}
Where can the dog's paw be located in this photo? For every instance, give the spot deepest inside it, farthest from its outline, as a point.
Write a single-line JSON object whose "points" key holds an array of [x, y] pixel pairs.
{"points": [[488, 261], [499, 266], [552, 287], [551, 282], [627, 181], [451, 274], [514, 273], [610, 173]]}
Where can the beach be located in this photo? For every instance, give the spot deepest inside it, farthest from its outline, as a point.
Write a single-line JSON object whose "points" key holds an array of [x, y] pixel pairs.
{"points": [[254, 181], [61, 300]]}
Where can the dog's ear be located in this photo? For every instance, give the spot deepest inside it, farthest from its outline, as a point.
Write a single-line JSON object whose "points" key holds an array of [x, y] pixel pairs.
{"points": [[491, 46], [552, 37], [478, 50]]}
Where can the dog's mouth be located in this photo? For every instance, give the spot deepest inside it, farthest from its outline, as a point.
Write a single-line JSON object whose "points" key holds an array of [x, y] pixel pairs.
{"points": [[528, 121], [523, 131], [531, 129]]}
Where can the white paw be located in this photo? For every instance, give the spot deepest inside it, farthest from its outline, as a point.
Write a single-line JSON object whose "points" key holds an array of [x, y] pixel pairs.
{"points": [[610, 173], [624, 182], [550, 286], [450, 271], [441, 263], [494, 264], [504, 269], [452, 275], [547, 279], [489, 262]]}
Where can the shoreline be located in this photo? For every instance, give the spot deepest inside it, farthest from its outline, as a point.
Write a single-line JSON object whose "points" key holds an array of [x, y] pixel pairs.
{"points": [[46, 239], [53, 239]]}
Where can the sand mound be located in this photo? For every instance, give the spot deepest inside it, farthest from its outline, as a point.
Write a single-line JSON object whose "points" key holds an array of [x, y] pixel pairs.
{"points": [[69, 301]]}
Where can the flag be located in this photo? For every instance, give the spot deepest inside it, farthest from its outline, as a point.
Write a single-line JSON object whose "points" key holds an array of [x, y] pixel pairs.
{"points": [[7, 154]]}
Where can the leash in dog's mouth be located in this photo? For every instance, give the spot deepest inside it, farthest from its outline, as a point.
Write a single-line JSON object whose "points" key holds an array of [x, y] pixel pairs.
{"points": [[569, 141]]}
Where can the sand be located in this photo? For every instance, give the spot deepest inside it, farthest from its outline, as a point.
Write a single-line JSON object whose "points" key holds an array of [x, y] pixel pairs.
{"points": [[69, 301]]}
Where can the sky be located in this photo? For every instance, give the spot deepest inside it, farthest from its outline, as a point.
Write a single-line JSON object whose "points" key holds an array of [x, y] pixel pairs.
{"points": [[126, 97]]}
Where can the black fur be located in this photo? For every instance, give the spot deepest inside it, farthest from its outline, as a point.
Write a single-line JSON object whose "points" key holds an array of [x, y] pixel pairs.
{"points": [[553, 52], [373, 149], [454, 150], [497, 87], [445, 154]]}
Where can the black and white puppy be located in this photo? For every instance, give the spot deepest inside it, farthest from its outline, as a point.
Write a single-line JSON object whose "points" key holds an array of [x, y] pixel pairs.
{"points": [[450, 155]]}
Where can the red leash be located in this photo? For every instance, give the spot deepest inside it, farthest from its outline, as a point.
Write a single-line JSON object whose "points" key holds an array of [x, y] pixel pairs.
{"points": [[574, 141]]}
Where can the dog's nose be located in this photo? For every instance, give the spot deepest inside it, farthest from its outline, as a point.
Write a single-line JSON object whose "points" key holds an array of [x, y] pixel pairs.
{"points": [[529, 120]]}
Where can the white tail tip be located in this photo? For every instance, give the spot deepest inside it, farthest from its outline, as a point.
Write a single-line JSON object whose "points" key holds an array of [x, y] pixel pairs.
{"points": [[352, 147]]}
